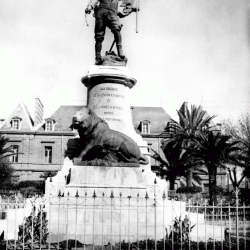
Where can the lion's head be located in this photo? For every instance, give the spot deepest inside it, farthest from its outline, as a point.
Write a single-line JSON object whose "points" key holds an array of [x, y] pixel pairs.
{"points": [[85, 118]]}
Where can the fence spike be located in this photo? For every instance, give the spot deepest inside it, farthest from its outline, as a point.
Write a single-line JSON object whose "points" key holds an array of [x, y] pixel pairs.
{"points": [[164, 195], [120, 195], [103, 194], [51, 179], [146, 196], [77, 195], [112, 195], [94, 195], [155, 182], [85, 194], [68, 193], [138, 195], [59, 193]]}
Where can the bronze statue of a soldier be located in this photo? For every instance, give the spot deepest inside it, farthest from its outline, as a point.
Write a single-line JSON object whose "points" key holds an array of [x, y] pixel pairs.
{"points": [[106, 15]]}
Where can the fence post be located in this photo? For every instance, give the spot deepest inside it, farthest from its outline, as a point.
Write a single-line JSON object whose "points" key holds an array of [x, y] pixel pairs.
{"points": [[155, 182], [58, 222], [111, 229], [84, 222], [137, 224], [77, 196], [94, 196], [164, 230], [102, 217], [146, 199], [237, 217]]}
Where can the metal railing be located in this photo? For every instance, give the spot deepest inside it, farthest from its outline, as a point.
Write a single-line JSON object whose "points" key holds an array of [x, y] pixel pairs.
{"points": [[111, 221]]}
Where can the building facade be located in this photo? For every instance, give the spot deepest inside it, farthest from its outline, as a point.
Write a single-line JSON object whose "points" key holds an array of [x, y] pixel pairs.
{"points": [[42, 144]]}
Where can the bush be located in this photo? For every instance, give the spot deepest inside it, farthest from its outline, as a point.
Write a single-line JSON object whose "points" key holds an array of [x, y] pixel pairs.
{"points": [[35, 184], [32, 230], [6, 173], [28, 191], [189, 190]]}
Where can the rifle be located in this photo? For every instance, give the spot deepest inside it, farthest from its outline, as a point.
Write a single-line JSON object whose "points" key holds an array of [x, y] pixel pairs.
{"points": [[137, 16], [113, 42]]}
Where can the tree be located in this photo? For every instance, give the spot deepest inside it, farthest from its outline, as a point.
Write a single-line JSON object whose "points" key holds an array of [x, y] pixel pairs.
{"points": [[240, 132], [215, 150], [5, 151], [6, 170], [172, 164], [192, 124]]}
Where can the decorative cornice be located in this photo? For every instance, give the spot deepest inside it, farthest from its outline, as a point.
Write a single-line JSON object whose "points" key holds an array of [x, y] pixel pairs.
{"points": [[92, 80]]}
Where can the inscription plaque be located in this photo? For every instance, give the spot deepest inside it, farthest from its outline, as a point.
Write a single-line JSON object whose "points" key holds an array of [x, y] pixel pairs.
{"points": [[109, 101]]}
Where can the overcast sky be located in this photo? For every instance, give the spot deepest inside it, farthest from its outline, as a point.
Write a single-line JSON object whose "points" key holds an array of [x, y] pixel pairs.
{"points": [[186, 50]]}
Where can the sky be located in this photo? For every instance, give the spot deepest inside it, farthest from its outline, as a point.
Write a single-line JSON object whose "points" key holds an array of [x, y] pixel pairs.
{"points": [[185, 50]]}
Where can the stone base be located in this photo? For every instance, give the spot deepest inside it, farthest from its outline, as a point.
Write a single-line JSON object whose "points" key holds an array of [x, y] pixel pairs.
{"points": [[103, 204], [111, 59], [130, 179]]}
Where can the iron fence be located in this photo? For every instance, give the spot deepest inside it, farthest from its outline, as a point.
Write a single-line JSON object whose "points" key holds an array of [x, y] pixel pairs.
{"points": [[112, 221]]}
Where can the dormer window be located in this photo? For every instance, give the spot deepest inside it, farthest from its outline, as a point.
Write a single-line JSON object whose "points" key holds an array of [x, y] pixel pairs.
{"points": [[145, 127], [49, 125], [16, 123]]}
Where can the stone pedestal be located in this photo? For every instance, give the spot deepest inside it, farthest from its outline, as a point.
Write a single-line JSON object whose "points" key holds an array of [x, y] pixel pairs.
{"points": [[106, 187], [108, 95]]}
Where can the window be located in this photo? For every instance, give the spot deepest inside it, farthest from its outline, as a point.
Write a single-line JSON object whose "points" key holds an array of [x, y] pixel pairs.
{"points": [[145, 127], [14, 158], [3, 215], [49, 126], [15, 124], [48, 154]]}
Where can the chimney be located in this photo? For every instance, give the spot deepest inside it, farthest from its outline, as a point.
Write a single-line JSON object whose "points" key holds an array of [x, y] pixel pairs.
{"points": [[38, 118]]}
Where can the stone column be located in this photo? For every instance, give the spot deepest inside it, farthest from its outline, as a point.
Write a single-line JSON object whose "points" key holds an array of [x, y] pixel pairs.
{"points": [[108, 96]]}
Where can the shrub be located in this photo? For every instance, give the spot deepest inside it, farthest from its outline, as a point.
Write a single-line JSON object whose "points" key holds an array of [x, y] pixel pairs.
{"points": [[35, 184], [28, 191], [189, 190], [217, 190], [33, 229]]}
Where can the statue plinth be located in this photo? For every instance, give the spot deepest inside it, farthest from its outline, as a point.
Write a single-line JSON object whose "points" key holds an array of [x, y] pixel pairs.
{"points": [[125, 180], [108, 96]]}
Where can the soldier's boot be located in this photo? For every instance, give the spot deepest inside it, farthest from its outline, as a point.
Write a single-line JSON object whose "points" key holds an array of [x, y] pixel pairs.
{"points": [[118, 40], [120, 52], [98, 49]]}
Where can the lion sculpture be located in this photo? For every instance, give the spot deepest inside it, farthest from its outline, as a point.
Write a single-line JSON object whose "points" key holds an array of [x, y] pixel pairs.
{"points": [[99, 141]]}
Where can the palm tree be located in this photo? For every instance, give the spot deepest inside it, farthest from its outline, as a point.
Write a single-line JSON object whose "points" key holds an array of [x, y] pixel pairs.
{"points": [[5, 151], [6, 170], [172, 163], [192, 124], [215, 150]]}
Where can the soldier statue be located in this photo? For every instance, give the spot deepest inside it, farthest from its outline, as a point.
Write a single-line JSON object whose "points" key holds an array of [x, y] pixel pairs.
{"points": [[107, 15]]}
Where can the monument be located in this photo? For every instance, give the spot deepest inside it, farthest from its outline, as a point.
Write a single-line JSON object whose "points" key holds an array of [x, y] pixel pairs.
{"points": [[112, 154], [107, 191]]}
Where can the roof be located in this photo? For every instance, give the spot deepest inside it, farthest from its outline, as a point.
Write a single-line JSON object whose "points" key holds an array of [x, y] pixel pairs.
{"points": [[20, 111], [63, 117], [157, 117]]}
